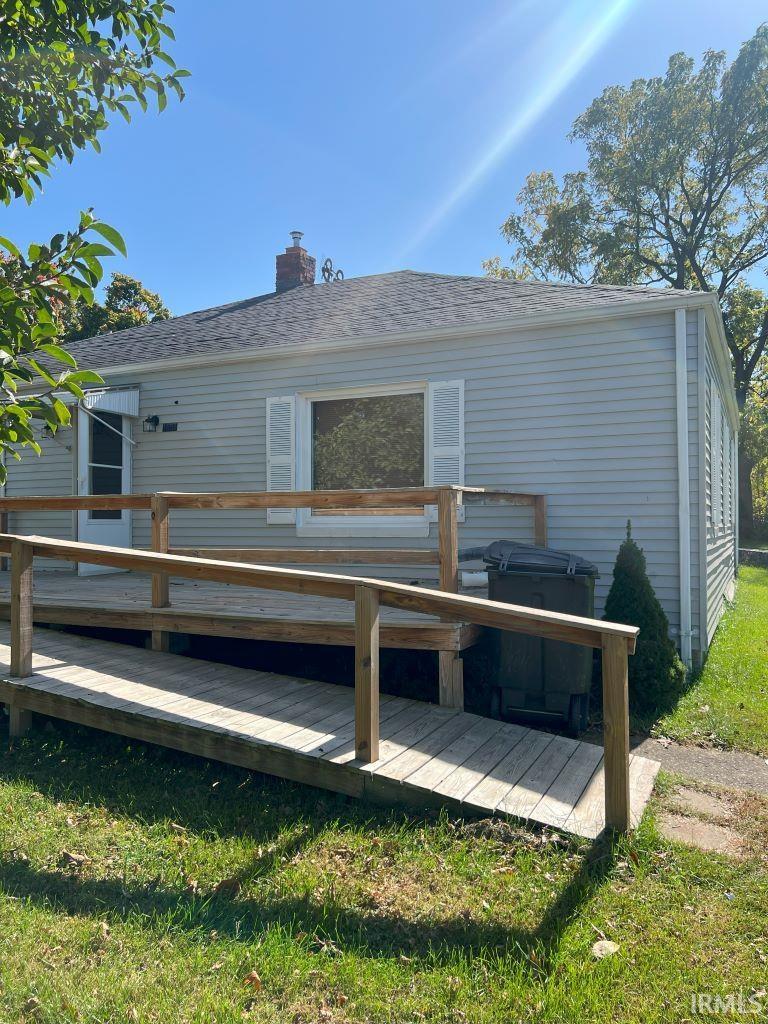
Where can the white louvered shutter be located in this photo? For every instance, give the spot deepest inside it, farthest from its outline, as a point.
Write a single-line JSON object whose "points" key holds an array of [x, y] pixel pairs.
{"points": [[281, 453], [445, 411]]}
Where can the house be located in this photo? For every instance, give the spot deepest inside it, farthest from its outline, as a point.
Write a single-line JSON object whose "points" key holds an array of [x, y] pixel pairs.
{"points": [[614, 402]]}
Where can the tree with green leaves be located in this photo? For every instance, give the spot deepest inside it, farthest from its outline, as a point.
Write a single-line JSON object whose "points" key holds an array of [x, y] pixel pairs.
{"points": [[64, 69], [675, 192], [656, 673], [127, 303]]}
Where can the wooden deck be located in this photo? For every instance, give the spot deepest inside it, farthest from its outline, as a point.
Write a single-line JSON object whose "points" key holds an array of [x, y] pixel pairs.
{"points": [[305, 731], [124, 601]]}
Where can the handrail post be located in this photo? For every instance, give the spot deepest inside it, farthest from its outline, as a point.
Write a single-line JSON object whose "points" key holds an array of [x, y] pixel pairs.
{"points": [[366, 674], [160, 583], [3, 529], [540, 520], [616, 733], [448, 539], [21, 608]]}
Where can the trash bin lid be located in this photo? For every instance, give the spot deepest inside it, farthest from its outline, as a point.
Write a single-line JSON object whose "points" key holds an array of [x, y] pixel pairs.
{"points": [[510, 556]]}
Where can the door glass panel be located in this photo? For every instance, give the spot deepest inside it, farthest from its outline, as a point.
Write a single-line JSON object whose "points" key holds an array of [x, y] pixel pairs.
{"points": [[105, 469], [106, 445]]}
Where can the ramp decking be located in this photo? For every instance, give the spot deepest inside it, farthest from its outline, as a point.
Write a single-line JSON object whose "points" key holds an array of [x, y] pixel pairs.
{"points": [[305, 731]]}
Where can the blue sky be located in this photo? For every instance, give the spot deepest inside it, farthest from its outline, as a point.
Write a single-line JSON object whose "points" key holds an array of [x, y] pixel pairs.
{"points": [[393, 134]]}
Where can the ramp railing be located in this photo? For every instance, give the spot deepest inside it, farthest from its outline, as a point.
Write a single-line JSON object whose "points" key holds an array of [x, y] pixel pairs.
{"points": [[614, 640]]}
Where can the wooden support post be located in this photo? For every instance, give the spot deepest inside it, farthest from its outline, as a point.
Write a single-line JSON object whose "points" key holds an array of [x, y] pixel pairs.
{"points": [[366, 673], [540, 520], [448, 539], [160, 588], [3, 529], [19, 721], [21, 608], [450, 679], [616, 733]]}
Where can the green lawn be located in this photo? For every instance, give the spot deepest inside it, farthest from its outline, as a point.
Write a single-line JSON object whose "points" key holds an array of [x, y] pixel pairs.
{"points": [[728, 703], [139, 885]]}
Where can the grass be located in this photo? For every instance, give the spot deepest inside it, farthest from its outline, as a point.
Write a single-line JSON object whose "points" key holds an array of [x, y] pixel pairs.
{"points": [[727, 705], [139, 885]]}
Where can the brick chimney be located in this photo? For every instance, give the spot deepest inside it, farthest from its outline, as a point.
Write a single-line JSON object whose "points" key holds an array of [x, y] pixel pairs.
{"points": [[294, 266]]}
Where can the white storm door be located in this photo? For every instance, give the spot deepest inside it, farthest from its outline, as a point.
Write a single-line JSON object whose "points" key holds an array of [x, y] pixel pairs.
{"points": [[103, 467]]}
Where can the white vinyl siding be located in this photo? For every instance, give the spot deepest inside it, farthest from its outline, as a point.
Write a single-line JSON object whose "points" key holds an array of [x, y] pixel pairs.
{"points": [[582, 413], [49, 474], [720, 482]]}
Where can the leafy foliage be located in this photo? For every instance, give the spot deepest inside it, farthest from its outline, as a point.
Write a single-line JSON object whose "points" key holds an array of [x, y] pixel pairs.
{"points": [[656, 674], [675, 192], [64, 67], [127, 303]]}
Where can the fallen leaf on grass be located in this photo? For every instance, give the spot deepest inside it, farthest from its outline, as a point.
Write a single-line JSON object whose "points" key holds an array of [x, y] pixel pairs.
{"points": [[604, 948], [231, 886], [31, 1005], [253, 980], [74, 858]]}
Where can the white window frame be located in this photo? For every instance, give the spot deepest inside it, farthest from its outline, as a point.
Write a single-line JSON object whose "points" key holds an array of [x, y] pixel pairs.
{"points": [[308, 525]]}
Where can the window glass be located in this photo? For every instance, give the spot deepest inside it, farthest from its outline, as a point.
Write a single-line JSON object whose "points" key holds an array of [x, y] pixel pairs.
{"points": [[368, 442], [106, 445], [105, 470]]}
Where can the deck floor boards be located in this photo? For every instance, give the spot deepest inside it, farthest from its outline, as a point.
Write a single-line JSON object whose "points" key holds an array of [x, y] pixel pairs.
{"points": [[305, 731]]}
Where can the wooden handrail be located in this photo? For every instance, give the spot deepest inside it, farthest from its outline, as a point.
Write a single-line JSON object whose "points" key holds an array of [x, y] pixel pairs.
{"points": [[615, 640], [447, 499], [458, 607], [401, 497]]}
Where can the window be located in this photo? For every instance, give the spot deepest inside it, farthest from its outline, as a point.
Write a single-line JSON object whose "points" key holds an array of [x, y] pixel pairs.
{"points": [[105, 459], [383, 436], [369, 442]]}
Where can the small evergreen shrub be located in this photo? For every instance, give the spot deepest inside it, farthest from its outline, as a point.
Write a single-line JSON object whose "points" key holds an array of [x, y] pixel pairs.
{"points": [[656, 673]]}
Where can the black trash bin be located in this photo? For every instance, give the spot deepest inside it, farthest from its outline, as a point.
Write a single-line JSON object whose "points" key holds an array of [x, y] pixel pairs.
{"points": [[534, 676]]}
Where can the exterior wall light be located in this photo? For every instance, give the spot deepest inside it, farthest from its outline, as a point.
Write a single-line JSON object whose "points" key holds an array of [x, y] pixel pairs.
{"points": [[150, 424]]}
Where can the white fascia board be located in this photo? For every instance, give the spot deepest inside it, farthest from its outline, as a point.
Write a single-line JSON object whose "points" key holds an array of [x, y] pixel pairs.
{"points": [[675, 300]]}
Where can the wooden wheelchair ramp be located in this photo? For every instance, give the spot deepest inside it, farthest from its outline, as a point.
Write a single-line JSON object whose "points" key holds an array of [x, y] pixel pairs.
{"points": [[305, 731]]}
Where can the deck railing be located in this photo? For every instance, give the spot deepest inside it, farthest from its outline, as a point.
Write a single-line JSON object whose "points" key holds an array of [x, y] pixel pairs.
{"points": [[160, 504], [614, 640]]}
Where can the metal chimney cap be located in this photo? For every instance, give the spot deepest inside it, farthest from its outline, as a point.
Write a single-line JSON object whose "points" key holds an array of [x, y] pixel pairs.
{"points": [[297, 237]]}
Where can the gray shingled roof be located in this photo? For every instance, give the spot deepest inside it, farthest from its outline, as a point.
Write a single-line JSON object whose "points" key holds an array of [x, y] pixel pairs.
{"points": [[402, 301]]}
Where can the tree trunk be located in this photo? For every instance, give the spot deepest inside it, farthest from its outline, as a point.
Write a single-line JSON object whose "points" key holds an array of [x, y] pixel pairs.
{"points": [[746, 513]]}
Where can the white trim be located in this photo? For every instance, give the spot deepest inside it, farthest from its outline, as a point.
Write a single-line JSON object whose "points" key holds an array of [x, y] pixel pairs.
{"points": [[308, 525], [701, 364], [683, 483]]}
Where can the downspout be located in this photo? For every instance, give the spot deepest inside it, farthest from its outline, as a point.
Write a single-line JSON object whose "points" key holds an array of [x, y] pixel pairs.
{"points": [[683, 485]]}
